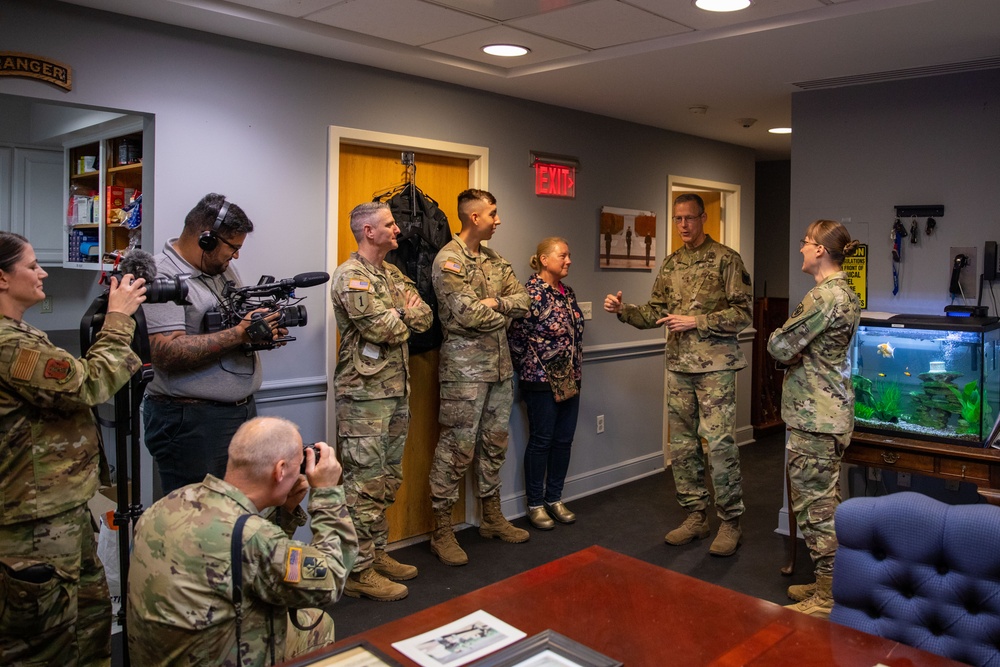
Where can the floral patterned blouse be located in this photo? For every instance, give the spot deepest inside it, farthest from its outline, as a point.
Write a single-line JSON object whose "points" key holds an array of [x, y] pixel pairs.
{"points": [[553, 328]]}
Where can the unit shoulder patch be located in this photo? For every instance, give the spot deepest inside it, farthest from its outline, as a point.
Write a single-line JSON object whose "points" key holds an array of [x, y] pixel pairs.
{"points": [[314, 567], [57, 369]]}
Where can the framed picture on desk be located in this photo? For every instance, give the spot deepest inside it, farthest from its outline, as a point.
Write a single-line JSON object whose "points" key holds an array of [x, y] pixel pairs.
{"points": [[358, 654], [548, 649]]}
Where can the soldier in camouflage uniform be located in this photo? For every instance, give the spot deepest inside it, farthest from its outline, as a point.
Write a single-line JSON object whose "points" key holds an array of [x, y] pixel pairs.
{"points": [[54, 603], [376, 307], [703, 296], [478, 296], [817, 400], [180, 589]]}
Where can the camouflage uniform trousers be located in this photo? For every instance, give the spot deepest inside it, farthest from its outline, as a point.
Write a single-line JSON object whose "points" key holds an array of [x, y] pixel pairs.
{"points": [[65, 621], [370, 439], [703, 405], [474, 419], [814, 474]]}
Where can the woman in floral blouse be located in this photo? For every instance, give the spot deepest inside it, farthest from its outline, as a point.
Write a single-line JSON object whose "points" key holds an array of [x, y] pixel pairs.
{"points": [[547, 350]]}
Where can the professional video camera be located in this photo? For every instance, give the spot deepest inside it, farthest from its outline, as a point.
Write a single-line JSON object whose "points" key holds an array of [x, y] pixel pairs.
{"points": [[270, 295]]}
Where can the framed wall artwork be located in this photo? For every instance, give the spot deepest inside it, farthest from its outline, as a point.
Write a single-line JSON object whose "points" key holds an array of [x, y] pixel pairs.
{"points": [[626, 239]]}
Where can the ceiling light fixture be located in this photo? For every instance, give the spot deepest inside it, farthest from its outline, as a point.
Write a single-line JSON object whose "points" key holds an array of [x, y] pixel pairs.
{"points": [[780, 130], [506, 50], [722, 5]]}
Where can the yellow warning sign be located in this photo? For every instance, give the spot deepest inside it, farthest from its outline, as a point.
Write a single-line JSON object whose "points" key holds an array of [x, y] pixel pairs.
{"points": [[856, 268]]}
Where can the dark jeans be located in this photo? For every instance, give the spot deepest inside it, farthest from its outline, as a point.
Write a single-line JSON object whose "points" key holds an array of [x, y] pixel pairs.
{"points": [[190, 440], [551, 427]]}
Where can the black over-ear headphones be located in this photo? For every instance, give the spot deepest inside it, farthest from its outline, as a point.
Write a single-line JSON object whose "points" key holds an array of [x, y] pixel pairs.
{"points": [[209, 239]]}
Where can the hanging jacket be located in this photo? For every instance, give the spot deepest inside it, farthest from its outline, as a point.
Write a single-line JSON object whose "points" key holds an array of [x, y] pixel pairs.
{"points": [[424, 231]]}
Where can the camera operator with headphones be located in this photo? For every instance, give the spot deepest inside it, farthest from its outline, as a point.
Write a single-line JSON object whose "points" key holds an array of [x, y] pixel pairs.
{"points": [[203, 386]]}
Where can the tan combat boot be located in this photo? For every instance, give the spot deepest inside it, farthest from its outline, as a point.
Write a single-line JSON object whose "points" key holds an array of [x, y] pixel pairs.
{"points": [[390, 568], [728, 540], [496, 525], [370, 584], [801, 592], [821, 602], [443, 542], [695, 527]]}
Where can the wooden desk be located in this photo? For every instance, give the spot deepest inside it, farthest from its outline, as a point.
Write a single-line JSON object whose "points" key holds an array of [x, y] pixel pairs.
{"points": [[646, 615], [955, 462]]}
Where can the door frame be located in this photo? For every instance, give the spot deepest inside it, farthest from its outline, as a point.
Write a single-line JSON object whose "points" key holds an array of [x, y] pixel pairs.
{"points": [[729, 231], [479, 160]]}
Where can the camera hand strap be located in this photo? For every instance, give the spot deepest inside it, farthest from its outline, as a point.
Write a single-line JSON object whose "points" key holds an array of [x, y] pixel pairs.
{"points": [[236, 558]]}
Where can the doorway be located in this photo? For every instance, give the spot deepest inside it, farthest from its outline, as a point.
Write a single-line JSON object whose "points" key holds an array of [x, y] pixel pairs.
{"points": [[363, 164]]}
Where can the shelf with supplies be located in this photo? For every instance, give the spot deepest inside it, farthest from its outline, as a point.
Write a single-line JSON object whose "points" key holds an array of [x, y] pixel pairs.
{"points": [[103, 195]]}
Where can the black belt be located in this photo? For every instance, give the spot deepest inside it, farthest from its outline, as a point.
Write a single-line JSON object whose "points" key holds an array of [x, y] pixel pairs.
{"points": [[184, 400]]}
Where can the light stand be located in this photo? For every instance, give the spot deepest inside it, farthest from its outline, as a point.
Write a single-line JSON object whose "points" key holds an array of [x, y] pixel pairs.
{"points": [[126, 427]]}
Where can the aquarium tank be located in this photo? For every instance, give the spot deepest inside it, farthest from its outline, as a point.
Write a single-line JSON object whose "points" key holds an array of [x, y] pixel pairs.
{"points": [[928, 377]]}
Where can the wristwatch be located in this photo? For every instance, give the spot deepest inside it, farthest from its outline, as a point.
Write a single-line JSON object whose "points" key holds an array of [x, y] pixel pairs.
{"points": [[401, 313]]}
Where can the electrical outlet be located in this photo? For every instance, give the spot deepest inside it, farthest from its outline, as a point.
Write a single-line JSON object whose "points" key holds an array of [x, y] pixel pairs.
{"points": [[600, 423], [46, 306], [903, 479], [587, 307], [874, 474]]}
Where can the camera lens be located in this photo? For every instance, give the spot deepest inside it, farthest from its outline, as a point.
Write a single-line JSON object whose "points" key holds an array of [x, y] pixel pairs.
{"points": [[164, 289], [293, 316]]}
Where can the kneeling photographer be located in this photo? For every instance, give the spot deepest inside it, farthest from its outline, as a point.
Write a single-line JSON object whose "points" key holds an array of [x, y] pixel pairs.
{"points": [[204, 380], [54, 603]]}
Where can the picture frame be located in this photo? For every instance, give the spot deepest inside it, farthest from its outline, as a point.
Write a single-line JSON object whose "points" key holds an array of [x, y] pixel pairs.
{"points": [[626, 239], [355, 654], [548, 649], [459, 642]]}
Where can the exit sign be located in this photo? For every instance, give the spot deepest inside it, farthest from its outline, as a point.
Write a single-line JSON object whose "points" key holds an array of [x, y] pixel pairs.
{"points": [[555, 180]]}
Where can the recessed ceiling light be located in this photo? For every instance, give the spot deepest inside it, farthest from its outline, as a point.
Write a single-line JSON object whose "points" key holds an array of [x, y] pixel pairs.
{"points": [[780, 130], [722, 5], [506, 50]]}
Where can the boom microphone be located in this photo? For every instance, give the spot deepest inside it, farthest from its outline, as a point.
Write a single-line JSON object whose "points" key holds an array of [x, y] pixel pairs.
{"points": [[311, 279], [285, 285], [140, 264]]}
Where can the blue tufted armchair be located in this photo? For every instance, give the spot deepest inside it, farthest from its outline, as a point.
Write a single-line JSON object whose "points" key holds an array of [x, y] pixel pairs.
{"points": [[923, 573]]}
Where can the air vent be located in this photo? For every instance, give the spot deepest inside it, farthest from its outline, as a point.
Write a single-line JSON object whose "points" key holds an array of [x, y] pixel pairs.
{"points": [[896, 74]]}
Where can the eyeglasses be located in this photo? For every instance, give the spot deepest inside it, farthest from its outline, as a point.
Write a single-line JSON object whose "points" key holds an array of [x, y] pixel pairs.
{"points": [[236, 248], [687, 218], [803, 243]]}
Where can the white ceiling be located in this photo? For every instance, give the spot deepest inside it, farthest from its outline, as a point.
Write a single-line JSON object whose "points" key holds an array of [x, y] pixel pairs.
{"points": [[647, 61]]}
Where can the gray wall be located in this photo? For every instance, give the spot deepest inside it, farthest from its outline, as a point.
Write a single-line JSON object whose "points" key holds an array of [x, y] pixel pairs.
{"points": [[859, 151], [773, 188], [251, 122]]}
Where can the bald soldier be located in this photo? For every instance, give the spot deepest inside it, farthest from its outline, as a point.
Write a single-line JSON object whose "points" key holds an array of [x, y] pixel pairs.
{"points": [[181, 588], [478, 296], [376, 307]]}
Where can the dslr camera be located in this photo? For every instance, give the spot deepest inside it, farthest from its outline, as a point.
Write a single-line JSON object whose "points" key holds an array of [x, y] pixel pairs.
{"points": [[311, 446], [269, 295]]}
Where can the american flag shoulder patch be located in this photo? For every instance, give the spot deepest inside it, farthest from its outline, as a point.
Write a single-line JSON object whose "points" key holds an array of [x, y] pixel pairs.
{"points": [[293, 565], [358, 284], [451, 265], [24, 364]]}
